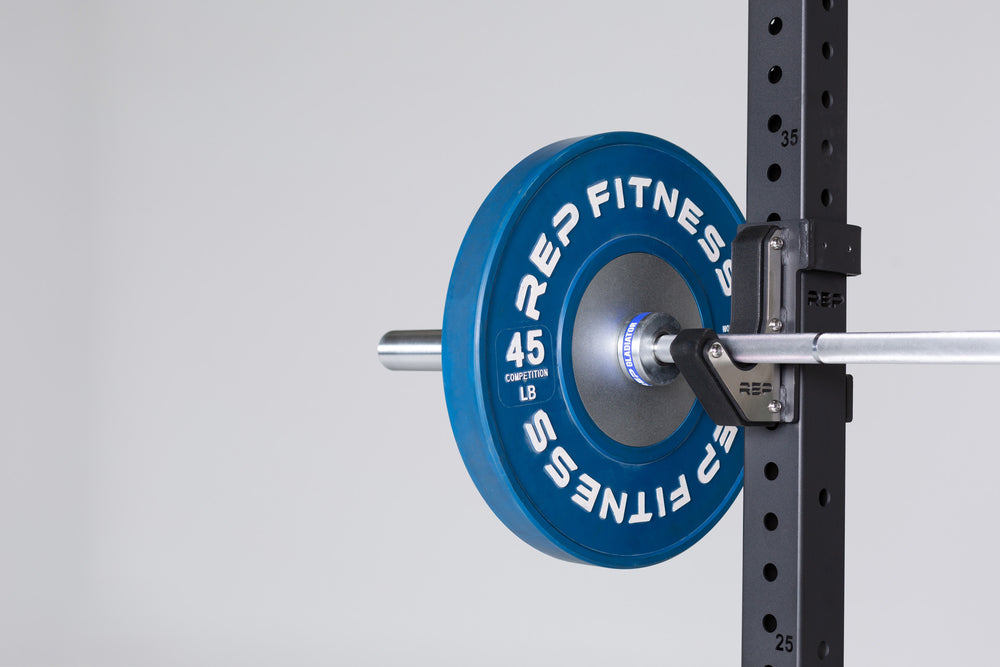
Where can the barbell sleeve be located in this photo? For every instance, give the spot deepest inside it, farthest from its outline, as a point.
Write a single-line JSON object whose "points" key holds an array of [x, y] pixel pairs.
{"points": [[411, 350]]}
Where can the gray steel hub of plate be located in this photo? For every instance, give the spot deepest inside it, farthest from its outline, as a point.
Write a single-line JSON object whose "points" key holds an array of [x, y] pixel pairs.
{"points": [[624, 410]]}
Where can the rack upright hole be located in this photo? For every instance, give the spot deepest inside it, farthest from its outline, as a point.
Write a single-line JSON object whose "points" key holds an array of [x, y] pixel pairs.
{"points": [[770, 623], [823, 650]]}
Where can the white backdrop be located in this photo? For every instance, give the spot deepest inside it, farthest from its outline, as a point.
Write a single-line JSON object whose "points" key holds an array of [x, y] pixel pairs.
{"points": [[209, 213]]}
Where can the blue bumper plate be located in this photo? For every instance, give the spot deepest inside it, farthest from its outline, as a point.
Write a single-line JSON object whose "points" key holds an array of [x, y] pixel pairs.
{"points": [[575, 457]]}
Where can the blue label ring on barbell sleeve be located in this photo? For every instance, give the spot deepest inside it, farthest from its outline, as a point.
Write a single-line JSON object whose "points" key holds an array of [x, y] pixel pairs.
{"points": [[576, 456], [626, 347]]}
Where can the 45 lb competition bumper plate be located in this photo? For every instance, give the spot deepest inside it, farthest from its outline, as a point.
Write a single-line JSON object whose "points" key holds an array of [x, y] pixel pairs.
{"points": [[566, 445]]}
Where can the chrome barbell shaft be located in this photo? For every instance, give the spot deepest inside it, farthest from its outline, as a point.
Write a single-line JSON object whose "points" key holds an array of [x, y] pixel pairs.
{"points": [[420, 350], [927, 347]]}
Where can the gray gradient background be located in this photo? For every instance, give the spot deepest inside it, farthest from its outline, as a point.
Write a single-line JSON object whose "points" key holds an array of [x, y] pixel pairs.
{"points": [[209, 212]]}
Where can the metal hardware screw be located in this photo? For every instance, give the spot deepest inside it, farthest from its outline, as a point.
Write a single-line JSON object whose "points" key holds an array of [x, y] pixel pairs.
{"points": [[715, 351], [774, 407], [777, 243], [775, 325]]}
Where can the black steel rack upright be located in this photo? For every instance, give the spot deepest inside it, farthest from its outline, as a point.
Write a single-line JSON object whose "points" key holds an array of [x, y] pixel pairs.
{"points": [[793, 551]]}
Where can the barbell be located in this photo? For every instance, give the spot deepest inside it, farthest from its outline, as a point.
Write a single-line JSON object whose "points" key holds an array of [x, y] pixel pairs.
{"points": [[420, 350]]}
